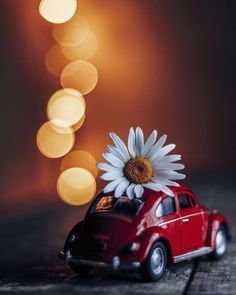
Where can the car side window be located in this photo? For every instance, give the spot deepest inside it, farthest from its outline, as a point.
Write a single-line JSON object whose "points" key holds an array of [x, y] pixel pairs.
{"points": [[184, 201], [166, 207], [193, 201]]}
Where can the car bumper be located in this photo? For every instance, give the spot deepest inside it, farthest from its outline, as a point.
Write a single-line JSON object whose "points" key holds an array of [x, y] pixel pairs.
{"points": [[115, 264]]}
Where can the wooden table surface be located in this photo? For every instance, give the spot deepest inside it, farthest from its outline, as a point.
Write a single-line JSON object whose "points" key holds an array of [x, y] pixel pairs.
{"points": [[29, 245]]}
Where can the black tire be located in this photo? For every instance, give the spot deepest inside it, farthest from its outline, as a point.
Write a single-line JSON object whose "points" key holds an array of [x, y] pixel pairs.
{"points": [[221, 244], [154, 266], [83, 271]]}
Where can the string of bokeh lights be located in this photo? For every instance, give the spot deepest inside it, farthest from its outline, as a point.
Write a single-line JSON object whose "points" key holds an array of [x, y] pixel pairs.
{"points": [[68, 60]]}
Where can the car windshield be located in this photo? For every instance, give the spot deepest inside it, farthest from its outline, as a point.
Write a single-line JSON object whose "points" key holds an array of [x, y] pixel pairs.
{"points": [[121, 205]]}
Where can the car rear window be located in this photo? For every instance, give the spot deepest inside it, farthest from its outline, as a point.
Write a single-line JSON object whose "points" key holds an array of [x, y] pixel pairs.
{"points": [[121, 205]]}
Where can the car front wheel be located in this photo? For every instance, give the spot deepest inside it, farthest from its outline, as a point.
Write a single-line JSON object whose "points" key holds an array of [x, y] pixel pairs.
{"points": [[155, 265], [221, 243]]}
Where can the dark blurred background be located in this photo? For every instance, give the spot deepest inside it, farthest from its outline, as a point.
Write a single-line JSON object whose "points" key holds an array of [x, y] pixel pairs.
{"points": [[168, 65]]}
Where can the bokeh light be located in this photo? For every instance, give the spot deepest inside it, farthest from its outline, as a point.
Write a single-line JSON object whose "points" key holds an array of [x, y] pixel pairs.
{"points": [[84, 50], [66, 107], [76, 186], [55, 61], [57, 11], [72, 33], [80, 75], [80, 159], [77, 126], [54, 141]]}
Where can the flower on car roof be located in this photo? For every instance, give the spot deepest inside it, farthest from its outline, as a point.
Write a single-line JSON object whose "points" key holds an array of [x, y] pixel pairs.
{"points": [[140, 165]]}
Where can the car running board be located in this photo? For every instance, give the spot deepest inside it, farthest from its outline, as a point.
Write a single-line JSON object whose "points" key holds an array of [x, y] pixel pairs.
{"points": [[192, 254]]}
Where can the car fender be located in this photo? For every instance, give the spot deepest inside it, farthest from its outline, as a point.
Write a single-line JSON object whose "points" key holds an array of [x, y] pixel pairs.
{"points": [[215, 221], [148, 238], [75, 229]]}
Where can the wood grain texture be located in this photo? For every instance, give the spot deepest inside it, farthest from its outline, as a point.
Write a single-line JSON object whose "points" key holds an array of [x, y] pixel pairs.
{"points": [[215, 277]]}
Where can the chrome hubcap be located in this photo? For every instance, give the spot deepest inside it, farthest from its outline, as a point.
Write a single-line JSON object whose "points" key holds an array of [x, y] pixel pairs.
{"points": [[157, 260], [220, 242]]}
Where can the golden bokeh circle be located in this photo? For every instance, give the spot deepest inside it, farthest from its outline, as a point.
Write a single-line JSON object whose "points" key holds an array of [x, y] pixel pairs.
{"points": [[76, 186], [84, 50], [71, 33], [55, 61], [80, 159], [80, 75], [57, 11], [66, 107], [54, 141]]}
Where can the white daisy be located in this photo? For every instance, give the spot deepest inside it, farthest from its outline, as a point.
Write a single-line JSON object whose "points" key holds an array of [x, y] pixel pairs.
{"points": [[140, 165]]}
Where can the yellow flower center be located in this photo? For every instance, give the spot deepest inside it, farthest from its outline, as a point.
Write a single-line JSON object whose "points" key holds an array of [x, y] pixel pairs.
{"points": [[138, 170]]}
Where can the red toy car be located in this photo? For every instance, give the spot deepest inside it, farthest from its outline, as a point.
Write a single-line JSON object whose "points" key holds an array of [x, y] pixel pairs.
{"points": [[145, 233]]}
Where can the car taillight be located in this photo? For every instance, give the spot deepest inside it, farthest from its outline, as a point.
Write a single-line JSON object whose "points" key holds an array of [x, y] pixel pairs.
{"points": [[132, 247], [73, 237]]}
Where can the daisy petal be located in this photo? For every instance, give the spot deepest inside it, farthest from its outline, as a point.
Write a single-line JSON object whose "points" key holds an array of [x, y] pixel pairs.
{"points": [[138, 190], [164, 181], [113, 160], [149, 143], [108, 167], [130, 191], [139, 141], [169, 166], [170, 174], [111, 186], [120, 145], [167, 191], [171, 158], [120, 189], [131, 143], [112, 175], [116, 152], [163, 151], [157, 146], [153, 186], [159, 187], [177, 176], [175, 166]]}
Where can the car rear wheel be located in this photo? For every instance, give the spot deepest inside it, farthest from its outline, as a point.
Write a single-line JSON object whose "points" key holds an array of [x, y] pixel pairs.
{"points": [[82, 271], [221, 243], [155, 265]]}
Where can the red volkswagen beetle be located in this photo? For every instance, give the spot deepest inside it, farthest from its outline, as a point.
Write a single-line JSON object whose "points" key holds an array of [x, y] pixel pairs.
{"points": [[145, 234]]}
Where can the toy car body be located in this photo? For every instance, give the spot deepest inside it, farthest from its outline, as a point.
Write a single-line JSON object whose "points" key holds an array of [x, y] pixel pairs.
{"points": [[145, 233]]}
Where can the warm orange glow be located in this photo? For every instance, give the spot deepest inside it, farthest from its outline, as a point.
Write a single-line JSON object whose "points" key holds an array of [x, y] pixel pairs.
{"points": [[76, 186], [54, 141], [55, 61], [84, 50], [57, 11], [80, 75], [66, 107], [72, 33], [80, 159]]}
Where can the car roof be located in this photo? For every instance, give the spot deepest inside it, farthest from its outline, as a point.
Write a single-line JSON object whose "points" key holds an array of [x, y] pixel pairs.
{"points": [[149, 193]]}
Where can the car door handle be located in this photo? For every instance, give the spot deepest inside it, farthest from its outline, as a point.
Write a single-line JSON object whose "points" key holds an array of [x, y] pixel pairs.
{"points": [[185, 220]]}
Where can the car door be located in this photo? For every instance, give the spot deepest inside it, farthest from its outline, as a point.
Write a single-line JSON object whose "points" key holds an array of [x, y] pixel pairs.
{"points": [[168, 219], [192, 223]]}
